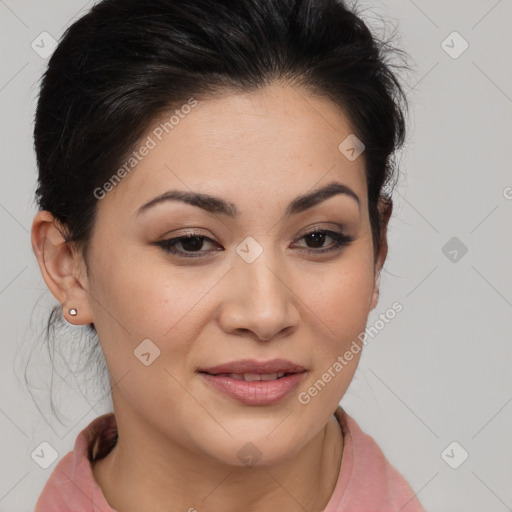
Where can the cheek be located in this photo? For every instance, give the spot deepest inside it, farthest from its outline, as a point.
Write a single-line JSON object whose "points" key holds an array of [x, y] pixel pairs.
{"points": [[341, 304], [144, 304], [341, 298], [137, 299]]}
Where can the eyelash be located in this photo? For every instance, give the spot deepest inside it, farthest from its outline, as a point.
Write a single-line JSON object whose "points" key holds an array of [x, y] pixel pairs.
{"points": [[340, 240]]}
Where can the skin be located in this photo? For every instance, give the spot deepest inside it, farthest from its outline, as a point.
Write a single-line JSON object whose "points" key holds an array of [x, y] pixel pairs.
{"points": [[179, 437]]}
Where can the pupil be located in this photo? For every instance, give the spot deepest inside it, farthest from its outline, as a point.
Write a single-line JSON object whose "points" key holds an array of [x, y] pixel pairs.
{"points": [[192, 243], [317, 238]]}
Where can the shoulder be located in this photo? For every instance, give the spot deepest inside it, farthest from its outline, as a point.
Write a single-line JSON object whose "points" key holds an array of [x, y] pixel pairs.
{"points": [[71, 485], [367, 480]]}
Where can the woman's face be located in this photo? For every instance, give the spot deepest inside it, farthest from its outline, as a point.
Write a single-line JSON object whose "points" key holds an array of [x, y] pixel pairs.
{"points": [[256, 287]]}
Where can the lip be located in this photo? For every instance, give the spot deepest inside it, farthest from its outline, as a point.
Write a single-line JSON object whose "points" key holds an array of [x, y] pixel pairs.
{"points": [[257, 392], [254, 366]]}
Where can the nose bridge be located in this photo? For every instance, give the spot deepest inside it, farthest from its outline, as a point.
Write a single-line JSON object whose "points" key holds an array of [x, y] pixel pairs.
{"points": [[260, 277], [261, 301]]}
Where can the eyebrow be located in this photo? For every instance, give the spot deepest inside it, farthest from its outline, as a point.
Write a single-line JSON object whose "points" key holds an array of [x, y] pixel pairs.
{"points": [[219, 206]]}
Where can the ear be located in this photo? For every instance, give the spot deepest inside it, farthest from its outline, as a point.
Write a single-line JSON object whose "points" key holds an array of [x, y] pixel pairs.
{"points": [[385, 209], [63, 268]]}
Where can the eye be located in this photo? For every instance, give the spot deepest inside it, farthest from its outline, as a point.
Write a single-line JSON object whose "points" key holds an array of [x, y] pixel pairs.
{"points": [[191, 243], [318, 237]]}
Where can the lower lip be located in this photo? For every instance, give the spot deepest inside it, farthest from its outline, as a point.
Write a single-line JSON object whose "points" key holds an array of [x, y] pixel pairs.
{"points": [[256, 392]]}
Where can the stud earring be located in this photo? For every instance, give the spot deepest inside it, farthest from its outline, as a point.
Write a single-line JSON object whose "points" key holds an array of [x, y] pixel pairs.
{"points": [[73, 312]]}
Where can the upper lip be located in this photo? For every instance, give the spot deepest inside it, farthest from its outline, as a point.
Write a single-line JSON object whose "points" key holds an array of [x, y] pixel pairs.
{"points": [[253, 366]]}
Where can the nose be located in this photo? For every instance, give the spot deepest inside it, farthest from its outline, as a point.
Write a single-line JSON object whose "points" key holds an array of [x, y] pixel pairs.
{"points": [[259, 300]]}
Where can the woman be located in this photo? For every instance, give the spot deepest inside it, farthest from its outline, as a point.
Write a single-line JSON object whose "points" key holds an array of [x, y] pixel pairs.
{"points": [[212, 203]]}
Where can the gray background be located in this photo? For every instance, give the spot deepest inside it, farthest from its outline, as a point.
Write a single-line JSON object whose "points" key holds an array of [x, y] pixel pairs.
{"points": [[437, 373]]}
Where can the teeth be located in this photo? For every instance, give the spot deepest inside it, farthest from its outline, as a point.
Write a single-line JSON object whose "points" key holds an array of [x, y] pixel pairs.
{"points": [[253, 376], [249, 377], [268, 376], [235, 376]]}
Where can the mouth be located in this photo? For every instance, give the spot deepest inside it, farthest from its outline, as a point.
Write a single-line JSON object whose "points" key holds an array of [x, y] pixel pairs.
{"points": [[255, 383], [251, 377]]}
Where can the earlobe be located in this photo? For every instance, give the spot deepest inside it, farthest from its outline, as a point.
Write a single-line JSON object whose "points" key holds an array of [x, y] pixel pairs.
{"points": [[375, 293], [58, 265], [381, 258]]}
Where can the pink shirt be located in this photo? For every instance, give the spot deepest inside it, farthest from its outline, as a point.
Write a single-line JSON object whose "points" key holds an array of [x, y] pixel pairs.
{"points": [[367, 482]]}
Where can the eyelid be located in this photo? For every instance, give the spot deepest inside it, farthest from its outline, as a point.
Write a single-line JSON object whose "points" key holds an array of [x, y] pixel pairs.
{"points": [[322, 226], [169, 242]]}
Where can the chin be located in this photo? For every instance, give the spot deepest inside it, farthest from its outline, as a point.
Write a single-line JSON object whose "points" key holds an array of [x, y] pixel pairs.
{"points": [[250, 451]]}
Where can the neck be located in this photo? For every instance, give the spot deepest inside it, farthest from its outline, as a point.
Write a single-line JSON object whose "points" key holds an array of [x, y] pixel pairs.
{"points": [[139, 475]]}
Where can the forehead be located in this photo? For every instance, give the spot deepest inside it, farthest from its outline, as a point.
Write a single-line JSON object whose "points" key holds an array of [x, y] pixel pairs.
{"points": [[280, 140]]}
